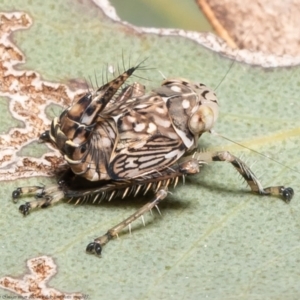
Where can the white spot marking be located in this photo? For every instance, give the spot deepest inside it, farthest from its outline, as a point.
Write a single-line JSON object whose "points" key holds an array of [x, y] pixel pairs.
{"points": [[152, 128], [139, 127], [176, 88], [185, 104]]}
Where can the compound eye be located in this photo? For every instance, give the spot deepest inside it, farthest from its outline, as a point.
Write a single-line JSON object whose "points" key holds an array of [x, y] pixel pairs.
{"points": [[202, 120]]}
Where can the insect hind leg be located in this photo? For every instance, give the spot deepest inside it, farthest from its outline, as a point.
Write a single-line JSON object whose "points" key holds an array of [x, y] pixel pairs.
{"points": [[44, 197], [286, 193]]}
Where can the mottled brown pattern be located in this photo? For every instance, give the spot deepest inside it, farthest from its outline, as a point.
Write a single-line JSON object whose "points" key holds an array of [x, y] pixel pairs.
{"points": [[34, 284], [28, 96]]}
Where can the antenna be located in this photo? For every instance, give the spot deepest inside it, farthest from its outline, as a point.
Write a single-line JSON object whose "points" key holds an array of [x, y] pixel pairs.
{"points": [[232, 63]]}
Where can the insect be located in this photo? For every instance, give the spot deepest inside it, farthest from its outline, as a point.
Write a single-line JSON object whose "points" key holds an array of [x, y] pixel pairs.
{"points": [[119, 141]]}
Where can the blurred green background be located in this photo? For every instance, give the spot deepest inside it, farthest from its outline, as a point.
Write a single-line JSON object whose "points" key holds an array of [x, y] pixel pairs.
{"points": [[183, 14]]}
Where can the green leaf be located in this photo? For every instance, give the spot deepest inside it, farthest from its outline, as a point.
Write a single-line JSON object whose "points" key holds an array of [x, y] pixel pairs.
{"points": [[214, 239]]}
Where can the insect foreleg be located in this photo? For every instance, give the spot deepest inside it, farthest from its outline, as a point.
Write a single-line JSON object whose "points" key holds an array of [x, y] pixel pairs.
{"points": [[44, 197], [285, 193], [27, 190]]}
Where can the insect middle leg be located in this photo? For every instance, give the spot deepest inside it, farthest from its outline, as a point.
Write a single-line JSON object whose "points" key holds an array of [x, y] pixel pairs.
{"points": [[96, 246], [286, 193]]}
